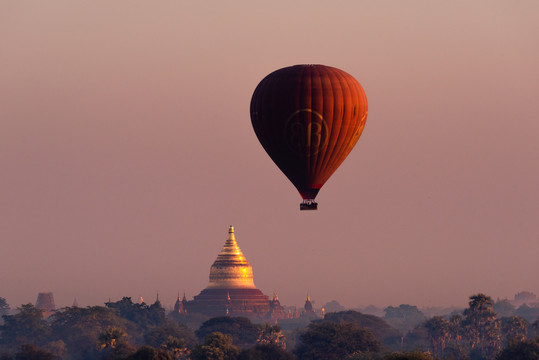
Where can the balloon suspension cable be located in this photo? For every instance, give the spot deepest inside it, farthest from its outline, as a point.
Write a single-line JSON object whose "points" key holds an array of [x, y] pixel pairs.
{"points": [[308, 204]]}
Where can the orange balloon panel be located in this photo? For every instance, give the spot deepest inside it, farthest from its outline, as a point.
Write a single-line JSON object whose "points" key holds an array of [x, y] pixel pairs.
{"points": [[308, 118]]}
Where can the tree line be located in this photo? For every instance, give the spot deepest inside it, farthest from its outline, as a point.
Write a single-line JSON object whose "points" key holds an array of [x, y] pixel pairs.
{"points": [[124, 330]]}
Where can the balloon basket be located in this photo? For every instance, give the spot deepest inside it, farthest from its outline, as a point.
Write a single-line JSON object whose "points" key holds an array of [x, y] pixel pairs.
{"points": [[308, 205]]}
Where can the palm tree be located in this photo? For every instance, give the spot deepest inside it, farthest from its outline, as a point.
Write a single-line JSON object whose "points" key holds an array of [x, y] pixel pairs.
{"points": [[271, 335], [111, 338], [482, 328], [438, 329]]}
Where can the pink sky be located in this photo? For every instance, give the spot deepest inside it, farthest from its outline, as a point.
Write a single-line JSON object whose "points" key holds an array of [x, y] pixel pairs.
{"points": [[126, 150]]}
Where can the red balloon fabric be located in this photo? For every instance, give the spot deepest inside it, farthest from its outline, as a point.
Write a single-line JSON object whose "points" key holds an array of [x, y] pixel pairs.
{"points": [[308, 118]]}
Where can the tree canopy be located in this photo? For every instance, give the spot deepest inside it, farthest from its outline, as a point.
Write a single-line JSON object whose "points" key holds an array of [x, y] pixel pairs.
{"points": [[243, 332], [328, 340], [217, 346], [380, 328], [404, 317], [25, 327]]}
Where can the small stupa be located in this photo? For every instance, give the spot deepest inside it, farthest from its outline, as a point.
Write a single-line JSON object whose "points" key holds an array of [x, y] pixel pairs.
{"points": [[231, 290]]}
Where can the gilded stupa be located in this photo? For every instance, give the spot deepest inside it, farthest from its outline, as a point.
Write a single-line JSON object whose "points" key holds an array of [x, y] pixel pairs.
{"points": [[231, 289], [231, 270]]}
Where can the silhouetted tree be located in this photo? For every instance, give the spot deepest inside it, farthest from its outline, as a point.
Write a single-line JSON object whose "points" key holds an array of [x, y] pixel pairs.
{"points": [[58, 348], [141, 314], [405, 317], [377, 325], [114, 344], [149, 353], [534, 328], [111, 338], [439, 332], [243, 332], [217, 346], [176, 348], [265, 352], [524, 350], [32, 352], [527, 312], [455, 328], [79, 328], [328, 340], [482, 328], [158, 336], [271, 335], [25, 327], [333, 306], [504, 308], [514, 329], [417, 338]]}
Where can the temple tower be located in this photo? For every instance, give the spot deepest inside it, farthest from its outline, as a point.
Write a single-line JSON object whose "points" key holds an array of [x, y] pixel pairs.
{"points": [[45, 302], [231, 289]]}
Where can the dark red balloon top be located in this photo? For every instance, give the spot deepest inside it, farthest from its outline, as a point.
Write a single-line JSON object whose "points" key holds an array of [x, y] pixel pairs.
{"points": [[308, 118]]}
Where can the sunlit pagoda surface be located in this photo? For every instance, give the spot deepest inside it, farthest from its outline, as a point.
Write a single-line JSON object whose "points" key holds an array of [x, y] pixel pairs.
{"points": [[231, 290]]}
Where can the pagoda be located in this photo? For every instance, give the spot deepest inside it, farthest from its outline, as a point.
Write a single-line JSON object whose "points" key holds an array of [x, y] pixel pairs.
{"points": [[45, 302], [231, 290]]}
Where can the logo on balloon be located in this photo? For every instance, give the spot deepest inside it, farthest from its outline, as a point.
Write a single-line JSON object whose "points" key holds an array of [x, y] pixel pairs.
{"points": [[306, 132]]}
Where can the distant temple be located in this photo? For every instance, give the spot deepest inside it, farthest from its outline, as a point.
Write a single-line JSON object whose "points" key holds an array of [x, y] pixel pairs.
{"points": [[180, 305], [45, 302], [525, 297], [308, 311], [231, 290]]}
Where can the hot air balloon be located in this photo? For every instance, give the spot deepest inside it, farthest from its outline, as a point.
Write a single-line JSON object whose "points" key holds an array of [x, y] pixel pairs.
{"points": [[308, 118]]}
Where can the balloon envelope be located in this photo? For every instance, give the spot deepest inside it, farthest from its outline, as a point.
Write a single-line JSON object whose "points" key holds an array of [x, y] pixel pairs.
{"points": [[308, 118]]}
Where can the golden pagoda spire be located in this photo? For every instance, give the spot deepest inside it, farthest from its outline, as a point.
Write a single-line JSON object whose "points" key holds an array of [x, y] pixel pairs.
{"points": [[231, 270]]}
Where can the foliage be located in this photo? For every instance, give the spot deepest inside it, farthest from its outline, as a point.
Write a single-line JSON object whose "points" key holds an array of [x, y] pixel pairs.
{"points": [[527, 312], [217, 346], [524, 350], [158, 336], [404, 318], [149, 353], [243, 332], [114, 344], [265, 352], [191, 320], [504, 308], [111, 338], [439, 333], [456, 351], [417, 338], [32, 352], [534, 328], [514, 329], [25, 327], [482, 328], [176, 348], [271, 335], [455, 327], [333, 306], [141, 314], [58, 348], [79, 328], [334, 341], [378, 326]]}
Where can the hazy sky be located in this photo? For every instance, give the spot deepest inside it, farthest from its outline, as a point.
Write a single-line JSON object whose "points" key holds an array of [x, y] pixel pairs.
{"points": [[126, 150]]}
